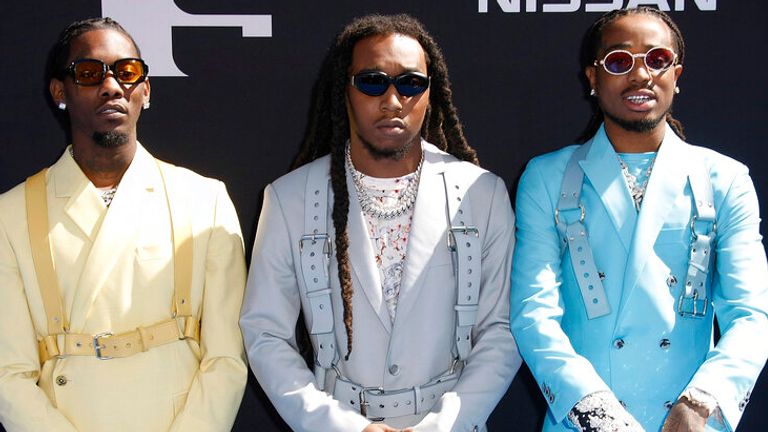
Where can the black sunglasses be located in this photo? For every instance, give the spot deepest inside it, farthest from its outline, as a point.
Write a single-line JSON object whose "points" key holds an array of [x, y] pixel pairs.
{"points": [[376, 83], [90, 72]]}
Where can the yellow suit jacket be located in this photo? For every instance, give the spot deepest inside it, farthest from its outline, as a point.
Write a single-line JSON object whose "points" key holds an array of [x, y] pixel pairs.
{"points": [[115, 270]]}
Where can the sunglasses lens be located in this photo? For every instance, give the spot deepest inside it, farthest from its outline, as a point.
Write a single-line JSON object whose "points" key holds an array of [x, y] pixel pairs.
{"points": [[618, 62], [659, 59], [372, 84], [129, 71], [88, 72], [411, 84]]}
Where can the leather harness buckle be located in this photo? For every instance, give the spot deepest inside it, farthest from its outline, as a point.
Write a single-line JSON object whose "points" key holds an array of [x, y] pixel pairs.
{"points": [[98, 347], [364, 404]]}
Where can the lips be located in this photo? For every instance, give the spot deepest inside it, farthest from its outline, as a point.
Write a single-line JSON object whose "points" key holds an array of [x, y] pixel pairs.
{"points": [[391, 126], [639, 100], [111, 109]]}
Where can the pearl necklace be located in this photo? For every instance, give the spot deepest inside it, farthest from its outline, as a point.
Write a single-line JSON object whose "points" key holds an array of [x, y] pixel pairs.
{"points": [[637, 191], [370, 205]]}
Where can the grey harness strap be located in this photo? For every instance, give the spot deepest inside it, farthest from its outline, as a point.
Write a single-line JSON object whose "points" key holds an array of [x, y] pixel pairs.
{"points": [[575, 237], [464, 244], [693, 301], [314, 252]]}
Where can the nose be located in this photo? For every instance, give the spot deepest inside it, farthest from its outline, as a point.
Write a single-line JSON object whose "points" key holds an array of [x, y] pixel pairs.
{"points": [[110, 88], [639, 72], [390, 100]]}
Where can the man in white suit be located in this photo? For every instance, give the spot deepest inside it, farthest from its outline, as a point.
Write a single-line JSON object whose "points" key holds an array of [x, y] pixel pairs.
{"points": [[121, 276], [393, 244], [629, 245]]}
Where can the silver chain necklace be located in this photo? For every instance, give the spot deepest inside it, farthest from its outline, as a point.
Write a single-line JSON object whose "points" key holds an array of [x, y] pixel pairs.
{"points": [[636, 190], [404, 201]]}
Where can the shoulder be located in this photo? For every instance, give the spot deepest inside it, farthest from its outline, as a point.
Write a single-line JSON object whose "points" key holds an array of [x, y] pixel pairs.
{"points": [[295, 182], [547, 170], [722, 169], [12, 201], [459, 170]]}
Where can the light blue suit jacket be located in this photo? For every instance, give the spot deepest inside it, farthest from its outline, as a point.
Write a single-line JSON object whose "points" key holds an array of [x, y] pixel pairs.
{"points": [[643, 350]]}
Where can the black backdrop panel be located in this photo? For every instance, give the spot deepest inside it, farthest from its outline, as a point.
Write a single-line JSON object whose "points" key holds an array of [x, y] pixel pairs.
{"points": [[240, 112]]}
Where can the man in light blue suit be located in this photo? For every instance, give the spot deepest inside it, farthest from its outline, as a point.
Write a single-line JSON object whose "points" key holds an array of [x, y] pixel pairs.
{"points": [[627, 248]]}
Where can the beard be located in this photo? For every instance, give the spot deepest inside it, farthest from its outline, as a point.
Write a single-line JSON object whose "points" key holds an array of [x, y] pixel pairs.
{"points": [[111, 139], [396, 154], [641, 126]]}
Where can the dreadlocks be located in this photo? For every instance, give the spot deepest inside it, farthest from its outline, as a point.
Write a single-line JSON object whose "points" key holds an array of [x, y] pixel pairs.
{"points": [[591, 46], [328, 127]]}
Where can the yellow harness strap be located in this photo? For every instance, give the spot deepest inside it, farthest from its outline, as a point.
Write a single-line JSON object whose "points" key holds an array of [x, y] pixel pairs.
{"points": [[59, 342]]}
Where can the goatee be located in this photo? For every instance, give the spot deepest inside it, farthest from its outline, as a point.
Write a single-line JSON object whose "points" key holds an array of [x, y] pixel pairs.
{"points": [[641, 126], [111, 139], [384, 153]]}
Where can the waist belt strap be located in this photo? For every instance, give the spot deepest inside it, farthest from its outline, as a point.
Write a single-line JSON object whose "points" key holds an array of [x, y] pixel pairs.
{"points": [[378, 404], [105, 346], [575, 237]]}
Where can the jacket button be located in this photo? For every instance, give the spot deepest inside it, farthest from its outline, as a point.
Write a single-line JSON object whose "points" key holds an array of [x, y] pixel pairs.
{"points": [[668, 405], [394, 369], [665, 343], [61, 380], [671, 281], [618, 343]]}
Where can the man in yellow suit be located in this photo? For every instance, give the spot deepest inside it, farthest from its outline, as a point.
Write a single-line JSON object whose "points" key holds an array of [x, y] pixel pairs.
{"points": [[121, 277]]}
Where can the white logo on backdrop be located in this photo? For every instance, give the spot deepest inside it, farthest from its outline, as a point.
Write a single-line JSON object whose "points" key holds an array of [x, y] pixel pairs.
{"points": [[593, 6], [151, 23]]}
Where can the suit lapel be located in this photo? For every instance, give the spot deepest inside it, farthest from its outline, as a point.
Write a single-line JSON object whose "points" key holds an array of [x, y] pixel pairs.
{"points": [[117, 234], [84, 207], [667, 182], [428, 230], [601, 167], [362, 259]]}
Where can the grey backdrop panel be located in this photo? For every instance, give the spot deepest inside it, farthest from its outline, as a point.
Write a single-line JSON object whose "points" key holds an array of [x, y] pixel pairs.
{"points": [[240, 113]]}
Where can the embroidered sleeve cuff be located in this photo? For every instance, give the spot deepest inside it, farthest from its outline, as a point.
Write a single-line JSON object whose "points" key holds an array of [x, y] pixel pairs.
{"points": [[602, 412], [700, 398]]}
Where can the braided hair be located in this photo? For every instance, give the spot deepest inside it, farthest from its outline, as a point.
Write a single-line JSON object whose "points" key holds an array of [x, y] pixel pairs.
{"points": [[328, 127], [592, 43]]}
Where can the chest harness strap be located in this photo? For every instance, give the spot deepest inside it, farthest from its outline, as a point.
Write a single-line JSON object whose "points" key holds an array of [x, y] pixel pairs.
{"points": [[693, 301], [575, 238], [60, 342], [315, 250]]}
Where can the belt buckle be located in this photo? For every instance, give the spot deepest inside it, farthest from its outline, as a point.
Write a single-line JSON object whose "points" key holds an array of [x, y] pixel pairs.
{"points": [[692, 307], [364, 404], [98, 347]]}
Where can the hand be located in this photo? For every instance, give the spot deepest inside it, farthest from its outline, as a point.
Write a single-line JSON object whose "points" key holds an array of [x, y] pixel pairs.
{"points": [[380, 427], [685, 417]]}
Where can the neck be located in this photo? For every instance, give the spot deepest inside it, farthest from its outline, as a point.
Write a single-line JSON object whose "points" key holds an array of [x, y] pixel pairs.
{"points": [[104, 167], [624, 141], [385, 167]]}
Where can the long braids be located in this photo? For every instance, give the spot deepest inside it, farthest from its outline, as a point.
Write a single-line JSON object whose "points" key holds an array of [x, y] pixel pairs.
{"points": [[328, 127], [592, 43]]}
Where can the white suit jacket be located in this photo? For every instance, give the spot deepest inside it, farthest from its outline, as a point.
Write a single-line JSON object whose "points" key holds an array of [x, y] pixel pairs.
{"points": [[643, 351], [115, 269], [420, 340]]}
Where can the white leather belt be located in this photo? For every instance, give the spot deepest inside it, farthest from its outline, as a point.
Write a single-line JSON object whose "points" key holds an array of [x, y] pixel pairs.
{"points": [[378, 404]]}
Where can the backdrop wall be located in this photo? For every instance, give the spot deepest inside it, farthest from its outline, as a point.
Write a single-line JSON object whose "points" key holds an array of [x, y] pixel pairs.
{"points": [[231, 81]]}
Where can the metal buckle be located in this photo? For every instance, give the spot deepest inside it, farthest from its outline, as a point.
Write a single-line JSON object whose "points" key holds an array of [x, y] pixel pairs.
{"points": [[98, 347], [693, 227], [314, 238], [460, 229], [364, 404], [688, 307], [581, 217]]}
